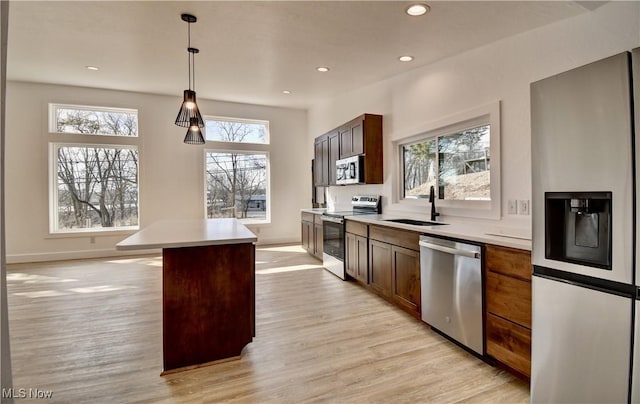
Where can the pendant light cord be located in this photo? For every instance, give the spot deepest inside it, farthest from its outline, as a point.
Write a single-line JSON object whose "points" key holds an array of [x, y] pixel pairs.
{"points": [[189, 53]]}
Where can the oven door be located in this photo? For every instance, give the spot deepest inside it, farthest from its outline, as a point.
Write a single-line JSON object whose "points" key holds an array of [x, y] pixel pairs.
{"points": [[333, 245]]}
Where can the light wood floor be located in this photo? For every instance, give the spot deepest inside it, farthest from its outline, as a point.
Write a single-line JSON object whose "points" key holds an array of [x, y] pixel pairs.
{"points": [[90, 331]]}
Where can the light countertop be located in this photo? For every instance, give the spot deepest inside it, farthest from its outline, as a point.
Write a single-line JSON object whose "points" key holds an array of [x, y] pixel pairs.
{"points": [[188, 233], [316, 211], [514, 238]]}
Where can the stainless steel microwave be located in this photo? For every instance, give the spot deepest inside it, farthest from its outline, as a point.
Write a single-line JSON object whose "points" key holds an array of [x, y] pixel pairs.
{"points": [[350, 170]]}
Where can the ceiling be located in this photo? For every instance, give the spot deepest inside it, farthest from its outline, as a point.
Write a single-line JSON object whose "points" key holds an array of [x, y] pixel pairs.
{"points": [[251, 51]]}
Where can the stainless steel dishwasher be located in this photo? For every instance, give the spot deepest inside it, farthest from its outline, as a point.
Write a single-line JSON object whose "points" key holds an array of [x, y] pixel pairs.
{"points": [[451, 282]]}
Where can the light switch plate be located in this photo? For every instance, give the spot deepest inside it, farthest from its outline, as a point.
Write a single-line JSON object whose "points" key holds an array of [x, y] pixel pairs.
{"points": [[512, 207], [523, 207]]}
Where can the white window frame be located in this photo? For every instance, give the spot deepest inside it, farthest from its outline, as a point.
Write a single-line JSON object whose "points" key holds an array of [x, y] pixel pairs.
{"points": [[486, 114], [65, 139], [215, 146]]}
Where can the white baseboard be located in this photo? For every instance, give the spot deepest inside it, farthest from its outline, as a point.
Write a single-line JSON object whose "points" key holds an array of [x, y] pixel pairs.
{"points": [[277, 240], [74, 255]]}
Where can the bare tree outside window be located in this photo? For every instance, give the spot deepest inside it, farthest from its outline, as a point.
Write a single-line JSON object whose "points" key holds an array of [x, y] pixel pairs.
{"points": [[96, 185], [236, 185], [94, 121], [237, 130], [458, 165], [420, 168], [237, 181]]}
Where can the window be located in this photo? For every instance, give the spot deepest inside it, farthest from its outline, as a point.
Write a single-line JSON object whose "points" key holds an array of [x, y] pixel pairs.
{"points": [[457, 165], [237, 169], [237, 130], [460, 157], [237, 185], [94, 182], [92, 120]]}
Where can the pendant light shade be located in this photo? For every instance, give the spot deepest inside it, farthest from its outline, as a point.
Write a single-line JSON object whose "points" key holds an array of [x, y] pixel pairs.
{"points": [[194, 134], [189, 109]]}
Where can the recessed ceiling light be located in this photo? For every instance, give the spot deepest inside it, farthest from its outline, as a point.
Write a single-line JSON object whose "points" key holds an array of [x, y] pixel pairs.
{"points": [[92, 67], [322, 69], [406, 58], [417, 9], [286, 92]]}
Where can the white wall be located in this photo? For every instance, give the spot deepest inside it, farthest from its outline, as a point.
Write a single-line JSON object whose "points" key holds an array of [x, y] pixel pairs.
{"points": [[6, 378], [171, 172], [499, 71]]}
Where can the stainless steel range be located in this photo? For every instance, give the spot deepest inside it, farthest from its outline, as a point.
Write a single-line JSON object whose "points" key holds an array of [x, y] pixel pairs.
{"points": [[333, 229]]}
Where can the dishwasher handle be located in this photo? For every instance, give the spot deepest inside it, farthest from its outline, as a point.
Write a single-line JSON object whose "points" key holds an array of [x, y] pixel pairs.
{"points": [[449, 250]]}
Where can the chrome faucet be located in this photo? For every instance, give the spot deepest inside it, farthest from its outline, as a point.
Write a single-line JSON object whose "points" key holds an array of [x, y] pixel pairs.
{"points": [[432, 199]]}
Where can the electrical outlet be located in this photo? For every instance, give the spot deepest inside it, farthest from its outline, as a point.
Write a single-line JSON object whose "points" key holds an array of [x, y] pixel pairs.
{"points": [[512, 207], [523, 207]]}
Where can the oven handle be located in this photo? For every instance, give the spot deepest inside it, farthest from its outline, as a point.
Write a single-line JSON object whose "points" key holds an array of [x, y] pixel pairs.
{"points": [[338, 220], [449, 250]]}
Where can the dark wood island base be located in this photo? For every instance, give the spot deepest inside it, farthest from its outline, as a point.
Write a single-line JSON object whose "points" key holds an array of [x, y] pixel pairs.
{"points": [[208, 303]]}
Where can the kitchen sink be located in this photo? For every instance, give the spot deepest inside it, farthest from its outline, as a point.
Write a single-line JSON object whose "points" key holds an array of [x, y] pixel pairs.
{"points": [[414, 222]]}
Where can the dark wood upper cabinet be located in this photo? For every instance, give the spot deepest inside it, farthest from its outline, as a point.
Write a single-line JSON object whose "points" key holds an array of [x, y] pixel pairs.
{"points": [[360, 136], [352, 136], [357, 136], [345, 141], [334, 155], [321, 161]]}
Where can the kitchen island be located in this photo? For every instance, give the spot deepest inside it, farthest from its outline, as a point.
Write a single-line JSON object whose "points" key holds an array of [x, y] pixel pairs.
{"points": [[208, 288]]}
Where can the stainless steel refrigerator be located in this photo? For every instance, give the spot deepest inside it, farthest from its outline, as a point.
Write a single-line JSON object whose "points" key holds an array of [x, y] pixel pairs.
{"points": [[586, 312]]}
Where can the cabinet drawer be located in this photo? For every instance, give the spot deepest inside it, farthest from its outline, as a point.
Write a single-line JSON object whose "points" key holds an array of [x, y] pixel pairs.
{"points": [[509, 261], [307, 217], [509, 298], [358, 228], [403, 238], [509, 343]]}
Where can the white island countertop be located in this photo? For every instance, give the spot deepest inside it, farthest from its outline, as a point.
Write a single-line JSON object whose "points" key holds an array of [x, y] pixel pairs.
{"points": [[188, 233]]}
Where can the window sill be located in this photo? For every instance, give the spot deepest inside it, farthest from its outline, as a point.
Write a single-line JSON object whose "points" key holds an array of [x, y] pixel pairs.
{"points": [[93, 233], [253, 222]]}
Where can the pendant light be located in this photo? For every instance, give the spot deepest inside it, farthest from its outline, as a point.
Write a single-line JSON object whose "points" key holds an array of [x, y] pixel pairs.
{"points": [[189, 114], [194, 134]]}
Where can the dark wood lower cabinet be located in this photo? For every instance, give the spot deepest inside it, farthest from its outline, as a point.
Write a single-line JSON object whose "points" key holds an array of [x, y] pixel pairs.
{"points": [[393, 259], [406, 278], [208, 302], [395, 274], [317, 239], [356, 257], [307, 236], [509, 343], [508, 307], [350, 256], [311, 233], [362, 252], [380, 263]]}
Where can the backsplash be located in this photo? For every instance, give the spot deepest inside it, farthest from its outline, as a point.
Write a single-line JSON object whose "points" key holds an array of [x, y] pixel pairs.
{"points": [[339, 197]]}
